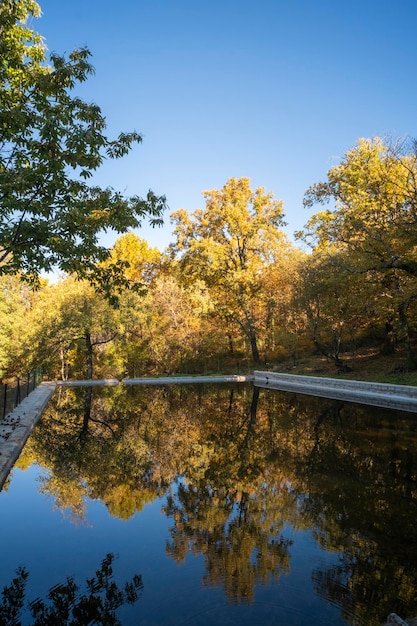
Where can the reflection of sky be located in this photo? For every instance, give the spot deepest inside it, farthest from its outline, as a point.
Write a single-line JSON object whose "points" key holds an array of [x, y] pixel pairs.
{"points": [[51, 547]]}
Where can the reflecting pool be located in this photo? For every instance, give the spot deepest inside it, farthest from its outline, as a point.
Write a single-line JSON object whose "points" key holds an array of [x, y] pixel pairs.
{"points": [[216, 504]]}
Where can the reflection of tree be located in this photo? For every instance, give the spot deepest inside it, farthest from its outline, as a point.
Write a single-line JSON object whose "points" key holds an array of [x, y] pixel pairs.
{"points": [[238, 534], [123, 446], [92, 451], [355, 475], [369, 585], [231, 513], [66, 604], [249, 463]]}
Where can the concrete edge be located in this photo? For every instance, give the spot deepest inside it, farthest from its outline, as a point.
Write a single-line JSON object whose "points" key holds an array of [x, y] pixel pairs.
{"points": [[233, 378], [17, 426], [165, 380], [345, 383], [397, 397]]}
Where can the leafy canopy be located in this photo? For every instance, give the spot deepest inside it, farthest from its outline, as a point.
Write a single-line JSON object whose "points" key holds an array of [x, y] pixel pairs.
{"points": [[374, 191], [229, 245], [51, 143]]}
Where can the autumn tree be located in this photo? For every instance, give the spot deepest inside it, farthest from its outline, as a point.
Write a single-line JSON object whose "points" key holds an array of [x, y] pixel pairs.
{"points": [[374, 192], [15, 299], [228, 245], [281, 323], [338, 306], [68, 327], [166, 330], [181, 331], [51, 143], [372, 223], [140, 262]]}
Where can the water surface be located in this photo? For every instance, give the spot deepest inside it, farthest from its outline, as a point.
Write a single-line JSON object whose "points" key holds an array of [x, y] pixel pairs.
{"points": [[234, 505]]}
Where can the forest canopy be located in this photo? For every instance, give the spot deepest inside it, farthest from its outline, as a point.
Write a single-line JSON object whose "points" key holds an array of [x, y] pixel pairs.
{"points": [[232, 292]]}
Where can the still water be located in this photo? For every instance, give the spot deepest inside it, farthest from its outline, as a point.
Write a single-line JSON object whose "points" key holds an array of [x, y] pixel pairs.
{"points": [[218, 504]]}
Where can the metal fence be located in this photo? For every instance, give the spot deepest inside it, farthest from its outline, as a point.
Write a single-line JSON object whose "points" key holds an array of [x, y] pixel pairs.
{"points": [[13, 392]]}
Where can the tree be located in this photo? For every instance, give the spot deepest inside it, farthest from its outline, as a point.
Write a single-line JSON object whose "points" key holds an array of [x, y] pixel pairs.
{"points": [[281, 322], [374, 218], [337, 305], [70, 324], [51, 143], [228, 245], [14, 303], [372, 228], [176, 322], [140, 260]]}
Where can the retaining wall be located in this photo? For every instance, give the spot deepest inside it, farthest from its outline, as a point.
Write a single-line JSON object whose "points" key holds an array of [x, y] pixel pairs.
{"points": [[399, 397]]}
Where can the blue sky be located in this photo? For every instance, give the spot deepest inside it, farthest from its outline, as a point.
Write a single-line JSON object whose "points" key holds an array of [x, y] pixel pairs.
{"points": [[276, 90]]}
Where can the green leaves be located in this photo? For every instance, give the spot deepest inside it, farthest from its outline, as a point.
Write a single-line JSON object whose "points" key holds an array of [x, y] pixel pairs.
{"points": [[51, 143]]}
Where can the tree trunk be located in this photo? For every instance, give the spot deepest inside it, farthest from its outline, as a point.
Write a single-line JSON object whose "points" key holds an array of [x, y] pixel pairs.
{"points": [[64, 365], [87, 411], [251, 333], [389, 340], [89, 355], [254, 405], [402, 314], [231, 346], [331, 355], [254, 348]]}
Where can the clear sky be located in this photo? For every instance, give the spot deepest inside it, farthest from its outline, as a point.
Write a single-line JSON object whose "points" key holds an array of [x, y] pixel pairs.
{"points": [[275, 90]]}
